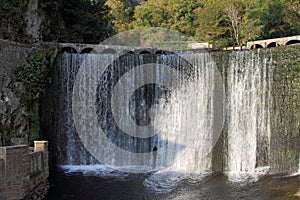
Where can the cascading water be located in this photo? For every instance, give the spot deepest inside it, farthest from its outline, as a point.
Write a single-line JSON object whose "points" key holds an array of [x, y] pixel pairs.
{"points": [[187, 115], [248, 111], [67, 141], [260, 132], [180, 119]]}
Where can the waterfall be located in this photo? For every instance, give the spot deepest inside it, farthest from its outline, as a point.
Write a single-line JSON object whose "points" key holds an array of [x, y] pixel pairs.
{"points": [[168, 101], [150, 112], [248, 111], [65, 127]]}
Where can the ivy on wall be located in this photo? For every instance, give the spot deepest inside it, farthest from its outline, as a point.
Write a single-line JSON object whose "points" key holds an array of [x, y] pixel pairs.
{"points": [[34, 74]]}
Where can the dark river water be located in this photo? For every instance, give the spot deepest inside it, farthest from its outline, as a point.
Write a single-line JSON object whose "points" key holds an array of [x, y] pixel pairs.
{"points": [[105, 184]]}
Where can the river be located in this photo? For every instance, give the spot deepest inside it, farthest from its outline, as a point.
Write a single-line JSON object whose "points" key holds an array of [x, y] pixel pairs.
{"points": [[105, 184]]}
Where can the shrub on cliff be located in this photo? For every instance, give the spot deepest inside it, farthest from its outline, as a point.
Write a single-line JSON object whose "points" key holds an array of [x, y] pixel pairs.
{"points": [[34, 74]]}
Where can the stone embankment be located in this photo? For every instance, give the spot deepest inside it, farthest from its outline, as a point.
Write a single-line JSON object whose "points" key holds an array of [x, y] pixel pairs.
{"points": [[24, 171]]}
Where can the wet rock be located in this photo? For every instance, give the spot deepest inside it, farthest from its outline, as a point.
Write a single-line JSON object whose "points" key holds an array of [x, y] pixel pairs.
{"points": [[11, 99], [2, 106], [33, 20], [12, 109], [19, 116], [39, 193]]}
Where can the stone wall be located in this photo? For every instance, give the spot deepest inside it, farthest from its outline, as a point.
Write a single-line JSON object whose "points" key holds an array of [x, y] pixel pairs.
{"points": [[23, 170], [12, 120], [285, 113]]}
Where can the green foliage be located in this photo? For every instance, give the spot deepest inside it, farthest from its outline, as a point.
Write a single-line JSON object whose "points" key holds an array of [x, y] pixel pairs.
{"points": [[225, 22], [278, 19], [217, 21], [211, 23], [223, 42], [270, 19], [53, 24], [77, 21], [121, 14], [177, 15], [12, 14], [256, 37], [221, 22], [34, 74]]}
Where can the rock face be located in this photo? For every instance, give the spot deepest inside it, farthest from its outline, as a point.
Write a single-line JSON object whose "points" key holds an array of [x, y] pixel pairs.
{"points": [[12, 111], [33, 20]]}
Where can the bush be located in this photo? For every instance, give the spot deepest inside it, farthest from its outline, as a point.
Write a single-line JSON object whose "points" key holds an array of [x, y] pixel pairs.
{"points": [[34, 74]]}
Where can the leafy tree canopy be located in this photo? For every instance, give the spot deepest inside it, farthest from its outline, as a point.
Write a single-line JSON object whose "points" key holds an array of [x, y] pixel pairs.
{"points": [[121, 13], [176, 15], [80, 21], [12, 14], [231, 22]]}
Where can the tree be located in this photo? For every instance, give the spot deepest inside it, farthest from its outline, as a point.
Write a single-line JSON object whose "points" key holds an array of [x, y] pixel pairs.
{"points": [[176, 15], [251, 28], [222, 22], [212, 24], [79, 21], [272, 19], [121, 13], [12, 15], [277, 18], [53, 25], [236, 21]]}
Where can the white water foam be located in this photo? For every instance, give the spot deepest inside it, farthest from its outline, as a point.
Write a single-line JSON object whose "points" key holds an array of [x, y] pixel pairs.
{"points": [[163, 182], [94, 170]]}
